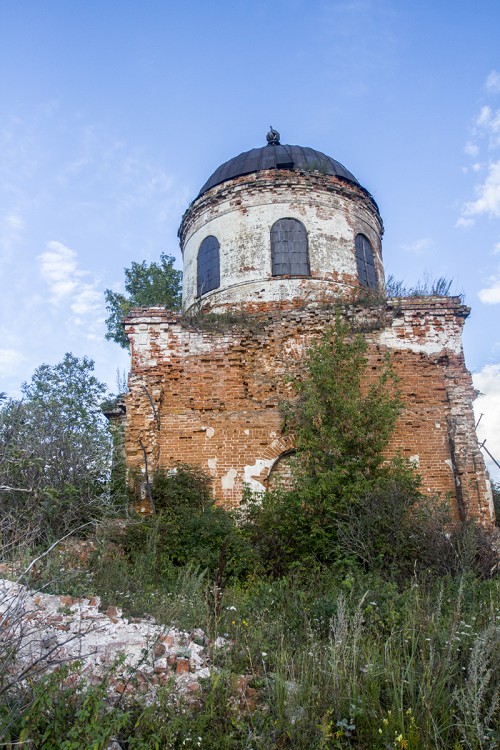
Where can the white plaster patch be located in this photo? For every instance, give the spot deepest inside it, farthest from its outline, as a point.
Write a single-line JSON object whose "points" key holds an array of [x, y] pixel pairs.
{"points": [[209, 432], [227, 481], [246, 432], [212, 464], [403, 337], [293, 349], [449, 462], [489, 499], [438, 425], [415, 460], [250, 473]]}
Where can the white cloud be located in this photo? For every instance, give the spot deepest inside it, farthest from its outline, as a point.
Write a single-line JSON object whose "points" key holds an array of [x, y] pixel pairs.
{"points": [[491, 294], [492, 83], [418, 247], [488, 124], [59, 268], [496, 248], [487, 381], [10, 362], [471, 149], [15, 221], [463, 223], [486, 127], [488, 200], [86, 300], [484, 116], [11, 229]]}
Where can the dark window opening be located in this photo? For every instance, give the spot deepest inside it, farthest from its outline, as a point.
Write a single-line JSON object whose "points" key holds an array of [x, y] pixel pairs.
{"points": [[365, 261], [208, 271], [289, 251]]}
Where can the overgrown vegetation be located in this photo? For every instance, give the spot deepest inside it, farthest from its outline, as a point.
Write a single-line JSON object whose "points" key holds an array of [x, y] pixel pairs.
{"points": [[426, 287], [341, 432], [223, 321], [356, 613], [55, 455], [186, 529], [327, 663]]}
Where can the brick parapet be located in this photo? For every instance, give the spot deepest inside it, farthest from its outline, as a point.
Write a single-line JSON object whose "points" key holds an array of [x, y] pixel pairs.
{"points": [[234, 192]]}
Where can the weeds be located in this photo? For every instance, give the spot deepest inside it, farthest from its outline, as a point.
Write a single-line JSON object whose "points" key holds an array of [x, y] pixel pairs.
{"points": [[311, 663], [223, 322], [428, 287]]}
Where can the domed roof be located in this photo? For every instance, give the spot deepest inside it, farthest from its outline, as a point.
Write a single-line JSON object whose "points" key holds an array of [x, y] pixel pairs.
{"points": [[277, 156]]}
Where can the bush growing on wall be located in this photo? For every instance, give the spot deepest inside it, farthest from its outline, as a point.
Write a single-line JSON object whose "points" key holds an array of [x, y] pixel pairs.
{"points": [[347, 503]]}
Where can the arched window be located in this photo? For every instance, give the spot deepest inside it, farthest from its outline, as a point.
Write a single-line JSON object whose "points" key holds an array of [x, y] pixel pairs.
{"points": [[289, 253], [365, 262], [208, 271]]}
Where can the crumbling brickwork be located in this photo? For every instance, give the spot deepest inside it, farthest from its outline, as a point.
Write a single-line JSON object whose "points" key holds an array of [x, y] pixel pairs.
{"points": [[241, 212], [211, 396]]}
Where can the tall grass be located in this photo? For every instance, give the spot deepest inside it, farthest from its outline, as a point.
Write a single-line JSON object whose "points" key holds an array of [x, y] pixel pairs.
{"points": [[328, 662]]}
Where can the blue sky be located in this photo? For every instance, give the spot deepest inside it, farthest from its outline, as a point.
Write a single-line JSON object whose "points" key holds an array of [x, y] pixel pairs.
{"points": [[113, 114]]}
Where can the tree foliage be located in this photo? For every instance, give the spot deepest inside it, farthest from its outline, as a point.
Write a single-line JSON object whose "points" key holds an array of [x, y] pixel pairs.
{"points": [[342, 424], [146, 285], [54, 453]]}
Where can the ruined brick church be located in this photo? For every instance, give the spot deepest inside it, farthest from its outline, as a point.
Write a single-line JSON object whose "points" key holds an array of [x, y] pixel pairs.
{"points": [[277, 238]]}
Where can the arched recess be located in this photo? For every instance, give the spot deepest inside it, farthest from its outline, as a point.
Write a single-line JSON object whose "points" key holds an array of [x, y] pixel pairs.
{"points": [[208, 266], [365, 261], [281, 472], [289, 248]]}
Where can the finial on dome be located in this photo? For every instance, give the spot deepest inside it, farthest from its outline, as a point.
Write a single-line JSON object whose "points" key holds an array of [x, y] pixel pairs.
{"points": [[273, 137]]}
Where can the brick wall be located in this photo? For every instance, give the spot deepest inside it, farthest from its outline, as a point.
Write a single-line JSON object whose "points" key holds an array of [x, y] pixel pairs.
{"points": [[210, 396]]}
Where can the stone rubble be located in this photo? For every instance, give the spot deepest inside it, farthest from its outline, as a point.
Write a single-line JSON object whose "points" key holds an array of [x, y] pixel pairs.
{"points": [[138, 655]]}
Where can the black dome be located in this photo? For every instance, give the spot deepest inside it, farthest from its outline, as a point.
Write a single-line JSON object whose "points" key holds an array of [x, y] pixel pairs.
{"points": [[276, 156]]}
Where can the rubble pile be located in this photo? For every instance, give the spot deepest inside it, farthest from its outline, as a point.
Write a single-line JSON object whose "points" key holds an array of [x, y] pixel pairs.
{"points": [[43, 631]]}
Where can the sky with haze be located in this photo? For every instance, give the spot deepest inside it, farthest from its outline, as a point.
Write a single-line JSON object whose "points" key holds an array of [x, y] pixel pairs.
{"points": [[113, 114]]}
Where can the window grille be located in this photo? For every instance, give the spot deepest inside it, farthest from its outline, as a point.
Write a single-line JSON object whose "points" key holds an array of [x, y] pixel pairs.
{"points": [[208, 270], [365, 262], [289, 252]]}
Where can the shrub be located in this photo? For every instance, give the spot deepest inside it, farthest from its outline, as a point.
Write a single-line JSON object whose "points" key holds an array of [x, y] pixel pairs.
{"points": [[349, 506], [188, 528], [183, 487]]}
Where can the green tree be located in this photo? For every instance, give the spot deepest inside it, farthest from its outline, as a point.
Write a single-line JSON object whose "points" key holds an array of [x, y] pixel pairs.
{"points": [[342, 419], [342, 424], [54, 453], [146, 285]]}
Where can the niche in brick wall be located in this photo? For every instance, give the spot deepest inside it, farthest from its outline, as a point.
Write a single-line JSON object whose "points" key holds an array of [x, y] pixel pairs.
{"points": [[280, 474]]}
